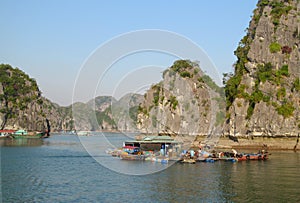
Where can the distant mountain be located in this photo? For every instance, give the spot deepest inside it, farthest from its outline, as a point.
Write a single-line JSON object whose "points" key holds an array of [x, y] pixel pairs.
{"points": [[125, 111], [22, 106], [101, 103], [107, 114]]}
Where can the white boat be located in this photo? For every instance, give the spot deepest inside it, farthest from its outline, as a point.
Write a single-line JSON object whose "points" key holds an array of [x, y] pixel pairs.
{"points": [[83, 133]]}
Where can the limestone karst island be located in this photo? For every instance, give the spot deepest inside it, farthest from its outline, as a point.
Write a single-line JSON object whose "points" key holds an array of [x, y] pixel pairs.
{"points": [[98, 104], [257, 105]]}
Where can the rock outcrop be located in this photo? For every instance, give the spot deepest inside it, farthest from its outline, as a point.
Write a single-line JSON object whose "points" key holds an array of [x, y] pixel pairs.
{"points": [[263, 95], [181, 104], [22, 106]]}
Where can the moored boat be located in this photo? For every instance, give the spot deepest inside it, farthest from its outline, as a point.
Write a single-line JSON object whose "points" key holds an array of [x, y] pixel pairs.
{"points": [[242, 157], [34, 136], [131, 153], [132, 157], [188, 161], [257, 156], [83, 133], [24, 134]]}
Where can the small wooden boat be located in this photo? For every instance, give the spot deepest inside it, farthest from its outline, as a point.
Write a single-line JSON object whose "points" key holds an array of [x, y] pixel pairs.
{"points": [[83, 133], [132, 153], [241, 157], [23, 134], [37, 135], [227, 156], [116, 153], [132, 157], [201, 159], [188, 161], [257, 156], [230, 159]]}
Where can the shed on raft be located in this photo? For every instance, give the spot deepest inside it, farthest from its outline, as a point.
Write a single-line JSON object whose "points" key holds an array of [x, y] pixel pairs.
{"points": [[166, 145]]}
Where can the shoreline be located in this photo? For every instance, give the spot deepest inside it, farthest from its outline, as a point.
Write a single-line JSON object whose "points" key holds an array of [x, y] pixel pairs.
{"points": [[257, 143], [286, 143]]}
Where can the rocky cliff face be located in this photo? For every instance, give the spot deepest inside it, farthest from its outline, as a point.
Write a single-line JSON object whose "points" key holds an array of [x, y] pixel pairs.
{"points": [[22, 106], [181, 104], [263, 95]]}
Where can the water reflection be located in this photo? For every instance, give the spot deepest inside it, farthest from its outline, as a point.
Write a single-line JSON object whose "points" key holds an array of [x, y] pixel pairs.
{"points": [[24, 142]]}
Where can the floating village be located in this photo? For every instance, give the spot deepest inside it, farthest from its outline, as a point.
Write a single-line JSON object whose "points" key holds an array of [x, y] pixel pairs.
{"points": [[156, 148], [164, 148]]}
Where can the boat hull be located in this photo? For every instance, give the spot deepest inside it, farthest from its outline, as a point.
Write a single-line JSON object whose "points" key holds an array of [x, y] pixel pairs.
{"points": [[132, 157], [188, 161], [36, 136]]}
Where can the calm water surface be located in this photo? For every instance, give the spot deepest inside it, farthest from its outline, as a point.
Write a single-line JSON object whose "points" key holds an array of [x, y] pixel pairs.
{"points": [[59, 169]]}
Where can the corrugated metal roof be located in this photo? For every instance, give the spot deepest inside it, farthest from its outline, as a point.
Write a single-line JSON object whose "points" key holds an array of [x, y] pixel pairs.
{"points": [[155, 140], [7, 131], [163, 138]]}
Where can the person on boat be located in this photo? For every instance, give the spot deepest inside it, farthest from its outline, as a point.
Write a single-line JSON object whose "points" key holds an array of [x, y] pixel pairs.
{"points": [[234, 152], [188, 154], [182, 153], [221, 154], [192, 152], [200, 146]]}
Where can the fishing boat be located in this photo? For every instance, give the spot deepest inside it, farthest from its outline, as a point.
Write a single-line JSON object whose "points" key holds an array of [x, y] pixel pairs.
{"points": [[132, 157], [23, 134], [188, 161], [34, 135], [227, 156], [242, 157], [83, 133], [131, 153], [258, 156]]}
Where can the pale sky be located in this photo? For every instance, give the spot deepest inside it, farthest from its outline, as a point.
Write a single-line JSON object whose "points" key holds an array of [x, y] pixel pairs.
{"points": [[51, 40]]}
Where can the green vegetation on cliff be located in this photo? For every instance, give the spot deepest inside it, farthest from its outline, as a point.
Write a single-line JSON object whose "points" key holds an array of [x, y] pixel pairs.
{"points": [[23, 106], [266, 72], [18, 90], [232, 81], [105, 117], [296, 85], [279, 8], [275, 47]]}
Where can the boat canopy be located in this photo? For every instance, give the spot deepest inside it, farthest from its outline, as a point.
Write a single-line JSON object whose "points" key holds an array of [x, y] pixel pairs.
{"points": [[21, 132]]}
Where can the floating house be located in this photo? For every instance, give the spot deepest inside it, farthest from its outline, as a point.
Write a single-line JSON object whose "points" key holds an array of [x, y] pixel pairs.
{"points": [[166, 145], [4, 133], [21, 132]]}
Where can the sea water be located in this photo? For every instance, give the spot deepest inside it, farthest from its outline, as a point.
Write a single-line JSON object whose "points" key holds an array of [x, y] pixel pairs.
{"points": [[61, 169]]}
